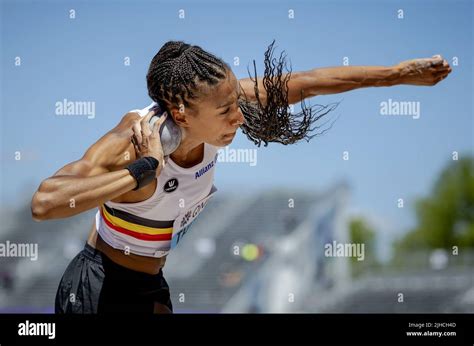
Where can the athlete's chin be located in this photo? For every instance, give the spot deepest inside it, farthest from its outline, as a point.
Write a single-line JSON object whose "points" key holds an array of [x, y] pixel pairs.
{"points": [[225, 140], [220, 142]]}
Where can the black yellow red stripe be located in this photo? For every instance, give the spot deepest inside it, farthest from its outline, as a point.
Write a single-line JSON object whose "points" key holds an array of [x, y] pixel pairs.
{"points": [[139, 231]]}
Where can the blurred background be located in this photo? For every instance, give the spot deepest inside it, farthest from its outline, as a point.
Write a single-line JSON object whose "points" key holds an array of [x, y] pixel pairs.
{"points": [[400, 185]]}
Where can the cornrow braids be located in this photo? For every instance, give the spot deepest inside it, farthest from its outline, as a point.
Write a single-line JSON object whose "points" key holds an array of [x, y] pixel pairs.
{"points": [[273, 122], [178, 69]]}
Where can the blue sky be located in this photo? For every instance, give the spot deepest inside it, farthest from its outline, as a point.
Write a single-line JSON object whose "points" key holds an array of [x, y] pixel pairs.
{"points": [[82, 59]]}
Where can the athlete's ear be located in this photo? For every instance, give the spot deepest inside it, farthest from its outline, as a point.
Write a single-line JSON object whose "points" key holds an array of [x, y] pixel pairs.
{"points": [[181, 115]]}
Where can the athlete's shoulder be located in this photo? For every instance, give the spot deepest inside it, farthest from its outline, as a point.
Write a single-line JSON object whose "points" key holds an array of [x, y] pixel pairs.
{"points": [[124, 127], [144, 111], [112, 147]]}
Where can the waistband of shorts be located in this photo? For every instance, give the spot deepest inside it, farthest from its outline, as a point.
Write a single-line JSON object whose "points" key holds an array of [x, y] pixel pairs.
{"points": [[93, 254], [99, 257]]}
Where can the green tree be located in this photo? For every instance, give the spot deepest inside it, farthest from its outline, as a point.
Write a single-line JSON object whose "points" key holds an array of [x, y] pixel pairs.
{"points": [[361, 233], [446, 217]]}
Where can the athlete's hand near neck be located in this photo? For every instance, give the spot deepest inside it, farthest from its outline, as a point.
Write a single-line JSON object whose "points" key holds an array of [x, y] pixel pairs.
{"points": [[147, 141]]}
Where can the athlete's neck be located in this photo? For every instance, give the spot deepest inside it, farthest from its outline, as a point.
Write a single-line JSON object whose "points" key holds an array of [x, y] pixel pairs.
{"points": [[188, 153]]}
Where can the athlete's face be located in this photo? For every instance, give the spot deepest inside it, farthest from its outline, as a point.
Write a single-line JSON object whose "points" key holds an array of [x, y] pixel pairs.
{"points": [[216, 115]]}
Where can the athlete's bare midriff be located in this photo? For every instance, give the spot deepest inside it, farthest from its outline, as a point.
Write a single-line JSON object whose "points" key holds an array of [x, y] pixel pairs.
{"points": [[131, 261]]}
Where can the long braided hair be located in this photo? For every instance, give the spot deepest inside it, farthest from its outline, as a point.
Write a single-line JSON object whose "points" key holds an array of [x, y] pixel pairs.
{"points": [[179, 70]]}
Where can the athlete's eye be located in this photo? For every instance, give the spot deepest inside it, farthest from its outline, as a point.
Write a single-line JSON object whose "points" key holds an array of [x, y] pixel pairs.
{"points": [[226, 111], [228, 108]]}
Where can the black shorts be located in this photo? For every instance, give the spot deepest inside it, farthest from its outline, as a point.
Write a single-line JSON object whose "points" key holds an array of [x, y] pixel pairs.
{"points": [[92, 283]]}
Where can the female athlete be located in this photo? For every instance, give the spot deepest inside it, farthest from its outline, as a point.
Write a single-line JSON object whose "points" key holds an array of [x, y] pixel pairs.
{"points": [[146, 201]]}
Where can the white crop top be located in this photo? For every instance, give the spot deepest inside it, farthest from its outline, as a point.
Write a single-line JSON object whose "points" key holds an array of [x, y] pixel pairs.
{"points": [[154, 226]]}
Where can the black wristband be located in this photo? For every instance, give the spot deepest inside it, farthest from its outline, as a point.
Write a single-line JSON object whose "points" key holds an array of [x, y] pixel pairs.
{"points": [[143, 170]]}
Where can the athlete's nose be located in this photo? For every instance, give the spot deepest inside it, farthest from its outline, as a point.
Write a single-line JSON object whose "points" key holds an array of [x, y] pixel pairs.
{"points": [[240, 119]]}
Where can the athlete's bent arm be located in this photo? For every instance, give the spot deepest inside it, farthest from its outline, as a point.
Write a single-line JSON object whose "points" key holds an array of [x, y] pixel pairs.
{"points": [[333, 80], [67, 195], [96, 178]]}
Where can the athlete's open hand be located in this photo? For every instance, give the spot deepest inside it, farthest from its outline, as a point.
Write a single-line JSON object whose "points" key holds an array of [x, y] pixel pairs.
{"points": [[427, 71], [147, 141]]}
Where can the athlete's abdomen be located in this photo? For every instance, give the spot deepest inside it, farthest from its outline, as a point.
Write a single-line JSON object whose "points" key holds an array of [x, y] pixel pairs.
{"points": [[149, 265]]}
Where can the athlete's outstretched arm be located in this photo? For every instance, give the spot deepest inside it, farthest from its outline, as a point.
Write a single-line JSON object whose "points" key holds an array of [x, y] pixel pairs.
{"points": [[333, 80]]}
